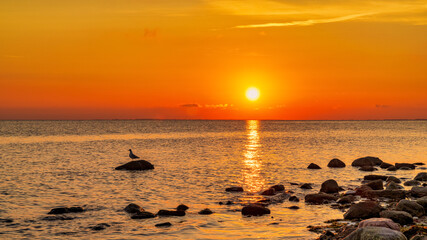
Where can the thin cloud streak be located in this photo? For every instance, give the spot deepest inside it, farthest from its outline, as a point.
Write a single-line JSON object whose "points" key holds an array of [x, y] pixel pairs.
{"points": [[306, 22]]}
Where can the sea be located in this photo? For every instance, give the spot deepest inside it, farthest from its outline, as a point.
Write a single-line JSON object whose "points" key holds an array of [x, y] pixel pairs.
{"points": [[50, 164]]}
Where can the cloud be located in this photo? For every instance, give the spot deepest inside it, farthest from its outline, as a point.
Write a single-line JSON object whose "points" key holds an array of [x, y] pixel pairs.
{"points": [[190, 105], [305, 22]]}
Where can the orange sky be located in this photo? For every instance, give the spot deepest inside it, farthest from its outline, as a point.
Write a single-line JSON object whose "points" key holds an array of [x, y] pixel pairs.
{"points": [[103, 59]]}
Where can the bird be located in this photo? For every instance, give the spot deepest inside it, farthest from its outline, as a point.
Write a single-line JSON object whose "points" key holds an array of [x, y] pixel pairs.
{"points": [[131, 155]]}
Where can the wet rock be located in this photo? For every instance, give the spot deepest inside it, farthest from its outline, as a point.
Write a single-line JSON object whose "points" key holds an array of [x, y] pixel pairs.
{"points": [[412, 183], [329, 186], [350, 192], [405, 168], [371, 233], [313, 166], [336, 163], [182, 207], [234, 189], [294, 199], [363, 210], [255, 210], [278, 198], [419, 191], [363, 190], [404, 165], [376, 184], [63, 210], [100, 226], [294, 207], [423, 202], [306, 186], [375, 177], [229, 203], [410, 207], [366, 161], [269, 192], [422, 176], [367, 169], [165, 224], [419, 163], [392, 194], [393, 186], [419, 237], [205, 211], [392, 168], [138, 165], [278, 187], [401, 217], [170, 213], [133, 208], [379, 222], [142, 215], [292, 183], [393, 179], [415, 230], [346, 199], [6, 220], [55, 218], [319, 198], [385, 165]]}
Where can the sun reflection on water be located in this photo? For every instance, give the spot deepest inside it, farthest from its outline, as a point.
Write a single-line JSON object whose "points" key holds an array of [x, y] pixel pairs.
{"points": [[252, 180]]}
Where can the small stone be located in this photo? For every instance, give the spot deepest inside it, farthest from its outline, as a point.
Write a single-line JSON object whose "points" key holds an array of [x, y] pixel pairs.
{"points": [[133, 208], [255, 210], [234, 189], [392, 168], [394, 179], [294, 207], [170, 213], [329, 186], [165, 224], [182, 207], [336, 163], [205, 211], [142, 215], [313, 166]]}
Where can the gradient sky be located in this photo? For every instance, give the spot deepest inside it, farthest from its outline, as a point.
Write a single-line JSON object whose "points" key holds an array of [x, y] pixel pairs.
{"points": [[104, 59]]}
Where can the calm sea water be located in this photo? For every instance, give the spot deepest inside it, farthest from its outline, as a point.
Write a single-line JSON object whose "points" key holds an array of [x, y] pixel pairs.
{"points": [[47, 164]]}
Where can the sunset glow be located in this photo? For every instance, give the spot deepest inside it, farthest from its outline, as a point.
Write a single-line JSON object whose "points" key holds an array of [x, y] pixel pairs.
{"points": [[252, 94]]}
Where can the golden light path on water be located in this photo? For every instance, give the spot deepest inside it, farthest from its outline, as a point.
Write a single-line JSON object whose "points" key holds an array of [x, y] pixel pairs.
{"points": [[252, 165]]}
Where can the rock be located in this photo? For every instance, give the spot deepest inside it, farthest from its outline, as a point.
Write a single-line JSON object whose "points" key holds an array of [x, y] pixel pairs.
{"points": [[170, 213], [392, 186], [371, 233], [100, 226], [419, 237], [376, 184], [269, 192], [205, 211], [136, 165], [63, 210], [350, 192], [293, 199], [401, 217], [419, 191], [234, 189], [385, 165], [410, 207], [394, 179], [423, 202], [278, 187], [142, 215], [375, 177], [412, 183], [319, 198], [55, 218], [346, 199], [415, 230], [313, 166], [363, 190], [329, 186], [367, 169], [292, 183], [255, 210], [165, 224], [422, 176], [363, 210], [336, 163], [404, 165], [133, 208], [405, 168], [278, 198], [419, 163], [392, 168], [294, 207], [392, 194], [306, 186], [6, 220], [379, 222], [182, 207], [366, 161]]}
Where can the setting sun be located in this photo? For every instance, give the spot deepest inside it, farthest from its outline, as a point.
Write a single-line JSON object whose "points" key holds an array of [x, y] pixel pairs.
{"points": [[252, 94]]}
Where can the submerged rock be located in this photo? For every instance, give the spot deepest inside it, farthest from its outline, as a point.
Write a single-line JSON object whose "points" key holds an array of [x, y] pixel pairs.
{"points": [[133, 208], [367, 168], [330, 186], [319, 198], [278, 187], [234, 189], [336, 163], [313, 166], [165, 224], [392, 194], [55, 218], [379, 222], [306, 186], [363, 210], [385, 165], [142, 215], [170, 213], [404, 165], [392, 168], [422, 176], [63, 210], [375, 177], [100, 226], [205, 211], [136, 166], [380, 233], [255, 210], [410, 207], [401, 217], [366, 161], [293, 199], [182, 207]]}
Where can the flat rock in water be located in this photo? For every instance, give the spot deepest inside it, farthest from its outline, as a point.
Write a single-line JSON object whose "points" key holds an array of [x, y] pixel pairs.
{"points": [[380, 233], [366, 161], [313, 166], [165, 224], [234, 189], [100, 226], [255, 210], [410, 207], [63, 210], [392, 194], [379, 222], [136, 166], [143, 215], [375, 177], [363, 210], [392, 168], [205, 211], [170, 213], [330, 186], [422, 176], [336, 163], [367, 168], [401, 217], [319, 198], [404, 165]]}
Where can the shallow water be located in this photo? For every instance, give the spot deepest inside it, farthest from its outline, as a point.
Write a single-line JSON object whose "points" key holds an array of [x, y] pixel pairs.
{"points": [[47, 164]]}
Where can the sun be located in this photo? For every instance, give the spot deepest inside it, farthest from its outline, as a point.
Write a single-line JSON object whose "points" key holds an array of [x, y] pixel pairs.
{"points": [[252, 94]]}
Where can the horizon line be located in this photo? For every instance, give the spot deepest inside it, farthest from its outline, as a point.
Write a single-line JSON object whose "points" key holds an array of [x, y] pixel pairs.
{"points": [[204, 119]]}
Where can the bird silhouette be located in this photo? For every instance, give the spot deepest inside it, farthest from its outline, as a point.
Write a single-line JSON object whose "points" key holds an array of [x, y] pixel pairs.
{"points": [[131, 155]]}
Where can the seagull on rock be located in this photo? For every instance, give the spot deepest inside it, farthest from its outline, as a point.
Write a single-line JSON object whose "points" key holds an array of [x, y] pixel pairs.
{"points": [[131, 155]]}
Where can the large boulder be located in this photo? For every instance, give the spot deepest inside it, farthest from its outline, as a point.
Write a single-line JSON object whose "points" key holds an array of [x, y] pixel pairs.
{"points": [[379, 233], [313, 166], [419, 191], [376, 184], [404, 165], [255, 210], [319, 198], [336, 163], [379, 222], [422, 176], [330, 186], [366, 161], [363, 210], [410, 207], [136, 165], [401, 217], [375, 177]]}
